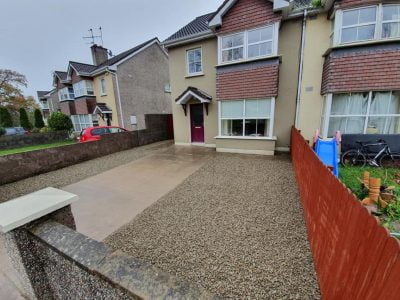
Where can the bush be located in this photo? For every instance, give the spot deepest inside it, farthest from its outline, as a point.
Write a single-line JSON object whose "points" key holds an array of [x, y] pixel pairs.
{"points": [[5, 118], [24, 120], [2, 131], [39, 123], [45, 129], [35, 130], [60, 121]]}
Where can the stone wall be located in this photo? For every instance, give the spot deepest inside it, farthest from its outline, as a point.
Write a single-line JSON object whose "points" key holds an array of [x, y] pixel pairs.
{"points": [[54, 261], [19, 166], [16, 141]]}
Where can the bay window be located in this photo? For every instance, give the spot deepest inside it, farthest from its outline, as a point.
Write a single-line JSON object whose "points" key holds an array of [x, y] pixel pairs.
{"points": [[250, 44], [81, 122], [66, 93], [247, 118], [376, 22], [362, 113], [83, 88]]}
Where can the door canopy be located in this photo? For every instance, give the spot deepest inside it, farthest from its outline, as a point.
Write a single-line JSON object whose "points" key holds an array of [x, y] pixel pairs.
{"points": [[193, 93]]}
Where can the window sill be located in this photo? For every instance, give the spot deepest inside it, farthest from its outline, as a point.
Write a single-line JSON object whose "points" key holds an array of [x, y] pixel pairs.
{"points": [[274, 138], [360, 44], [194, 75], [103, 95], [244, 61]]}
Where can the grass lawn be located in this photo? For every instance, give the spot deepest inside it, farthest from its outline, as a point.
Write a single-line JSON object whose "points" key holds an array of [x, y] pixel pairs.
{"points": [[350, 175], [36, 147]]}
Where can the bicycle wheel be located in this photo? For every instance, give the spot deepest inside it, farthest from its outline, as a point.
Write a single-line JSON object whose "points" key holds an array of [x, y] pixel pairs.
{"points": [[353, 158], [386, 161]]}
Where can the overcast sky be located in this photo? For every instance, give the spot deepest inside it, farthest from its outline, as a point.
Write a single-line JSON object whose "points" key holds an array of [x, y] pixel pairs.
{"points": [[38, 37]]}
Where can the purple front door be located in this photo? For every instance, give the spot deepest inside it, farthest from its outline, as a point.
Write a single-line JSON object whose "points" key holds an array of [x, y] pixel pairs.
{"points": [[197, 123]]}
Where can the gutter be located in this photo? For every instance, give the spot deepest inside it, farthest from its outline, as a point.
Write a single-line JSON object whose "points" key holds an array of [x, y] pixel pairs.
{"points": [[189, 39], [300, 79]]}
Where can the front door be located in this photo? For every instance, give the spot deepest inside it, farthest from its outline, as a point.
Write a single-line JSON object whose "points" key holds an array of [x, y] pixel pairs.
{"points": [[197, 123]]}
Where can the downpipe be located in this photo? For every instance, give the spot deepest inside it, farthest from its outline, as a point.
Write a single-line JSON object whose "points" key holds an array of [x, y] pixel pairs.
{"points": [[301, 66]]}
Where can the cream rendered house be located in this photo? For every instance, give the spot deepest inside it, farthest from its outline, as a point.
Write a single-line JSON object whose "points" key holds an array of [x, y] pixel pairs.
{"points": [[243, 75]]}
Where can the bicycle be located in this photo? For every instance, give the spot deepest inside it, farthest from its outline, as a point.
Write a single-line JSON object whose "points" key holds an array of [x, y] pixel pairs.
{"points": [[361, 156]]}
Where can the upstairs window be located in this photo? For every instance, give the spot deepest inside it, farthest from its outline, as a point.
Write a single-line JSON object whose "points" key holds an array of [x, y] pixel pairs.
{"points": [[194, 61], [233, 47], [391, 21], [359, 24], [103, 90], [66, 93], [83, 88], [260, 42], [251, 44], [377, 22]]}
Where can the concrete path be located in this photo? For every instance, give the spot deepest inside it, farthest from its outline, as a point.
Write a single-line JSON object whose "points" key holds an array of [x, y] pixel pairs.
{"points": [[112, 198]]}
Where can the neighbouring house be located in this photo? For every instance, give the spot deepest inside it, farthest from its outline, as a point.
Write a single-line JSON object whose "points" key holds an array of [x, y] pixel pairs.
{"points": [[48, 102], [244, 74], [116, 91]]}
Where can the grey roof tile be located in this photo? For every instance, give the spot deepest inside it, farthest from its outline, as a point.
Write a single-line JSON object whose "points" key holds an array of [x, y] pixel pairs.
{"points": [[198, 25], [82, 68], [61, 74], [41, 94]]}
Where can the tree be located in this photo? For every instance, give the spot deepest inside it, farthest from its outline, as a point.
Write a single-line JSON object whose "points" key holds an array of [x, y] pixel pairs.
{"points": [[60, 121], [23, 119], [10, 85], [5, 118], [39, 123]]}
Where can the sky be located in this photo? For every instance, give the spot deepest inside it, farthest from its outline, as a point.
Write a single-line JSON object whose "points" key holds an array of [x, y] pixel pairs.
{"points": [[38, 37]]}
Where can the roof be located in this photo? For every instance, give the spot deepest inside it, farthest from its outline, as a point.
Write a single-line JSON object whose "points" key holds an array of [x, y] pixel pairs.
{"points": [[124, 54], [102, 108], [197, 26], [192, 92], [61, 75], [82, 68], [42, 94], [200, 25]]}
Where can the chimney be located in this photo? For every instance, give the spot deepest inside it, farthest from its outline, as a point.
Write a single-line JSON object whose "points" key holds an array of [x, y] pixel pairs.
{"points": [[99, 54]]}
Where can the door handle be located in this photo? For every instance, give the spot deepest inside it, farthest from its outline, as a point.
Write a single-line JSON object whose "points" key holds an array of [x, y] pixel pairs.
{"points": [[197, 127]]}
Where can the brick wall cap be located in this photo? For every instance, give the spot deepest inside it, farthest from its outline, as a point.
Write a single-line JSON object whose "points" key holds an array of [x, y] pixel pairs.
{"points": [[360, 45], [250, 60]]}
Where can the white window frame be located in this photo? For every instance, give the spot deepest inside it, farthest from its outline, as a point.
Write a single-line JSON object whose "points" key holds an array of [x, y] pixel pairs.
{"points": [[275, 39], [79, 124], [337, 39], [64, 94], [271, 119], [103, 89], [82, 88], [188, 73], [367, 115], [388, 22]]}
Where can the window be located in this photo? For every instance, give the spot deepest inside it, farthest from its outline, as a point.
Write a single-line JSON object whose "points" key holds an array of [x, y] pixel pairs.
{"points": [[358, 113], [359, 24], [103, 86], [367, 23], [260, 42], [233, 47], [81, 122], [194, 61], [83, 88], [249, 118], [66, 93], [391, 21]]}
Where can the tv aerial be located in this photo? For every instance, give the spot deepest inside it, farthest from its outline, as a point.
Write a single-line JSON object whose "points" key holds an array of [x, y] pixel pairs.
{"points": [[92, 37]]}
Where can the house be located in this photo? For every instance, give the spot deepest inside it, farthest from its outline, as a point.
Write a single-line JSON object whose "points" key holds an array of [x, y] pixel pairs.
{"points": [[48, 102], [116, 91], [244, 74]]}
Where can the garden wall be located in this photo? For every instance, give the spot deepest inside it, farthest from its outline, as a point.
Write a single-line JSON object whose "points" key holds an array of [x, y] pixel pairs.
{"points": [[23, 165], [355, 257], [16, 141]]}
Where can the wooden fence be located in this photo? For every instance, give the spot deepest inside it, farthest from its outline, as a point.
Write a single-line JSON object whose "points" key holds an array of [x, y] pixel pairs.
{"points": [[354, 257]]}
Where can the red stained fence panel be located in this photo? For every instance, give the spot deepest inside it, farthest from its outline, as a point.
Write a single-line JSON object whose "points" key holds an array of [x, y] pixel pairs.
{"points": [[355, 257]]}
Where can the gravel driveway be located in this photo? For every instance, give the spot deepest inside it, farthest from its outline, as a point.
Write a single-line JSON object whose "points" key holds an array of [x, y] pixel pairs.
{"points": [[235, 227]]}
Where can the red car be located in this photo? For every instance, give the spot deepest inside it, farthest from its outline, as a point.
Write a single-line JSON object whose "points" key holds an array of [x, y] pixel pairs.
{"points": [[91, 134]]}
